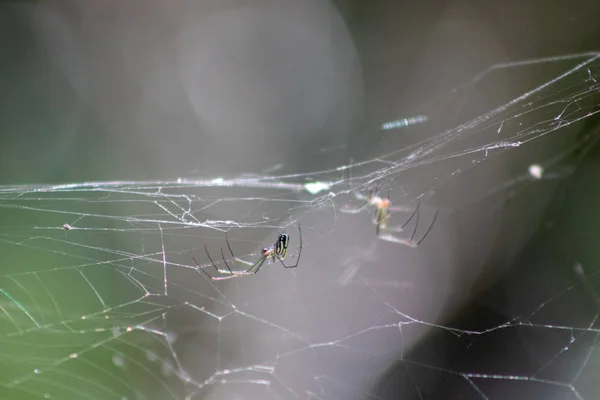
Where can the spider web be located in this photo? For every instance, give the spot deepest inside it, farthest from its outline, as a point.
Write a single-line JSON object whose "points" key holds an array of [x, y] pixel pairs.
{"points": [[100, 299]]}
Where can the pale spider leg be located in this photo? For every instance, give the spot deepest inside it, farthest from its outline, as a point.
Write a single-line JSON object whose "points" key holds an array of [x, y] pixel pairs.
{"points": [[354, 210], [401, 228], [224, 261], [258, 264], [370, 200], [234, 257], [224, 278], [400, 209], [284, 265], [254, 268], [412, 236], [229, 271], [215, 265], [220, 278], [410, 242], [391, 238], [360, 196]]}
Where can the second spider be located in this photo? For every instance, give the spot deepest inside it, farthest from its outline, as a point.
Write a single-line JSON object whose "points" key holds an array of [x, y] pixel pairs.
{"points": [[382, 206]]}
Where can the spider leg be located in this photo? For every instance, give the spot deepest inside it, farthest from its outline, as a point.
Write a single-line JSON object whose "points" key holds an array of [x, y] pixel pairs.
{"points": [[354, 210], [223, 278], [410, 242], [401, 228], [214, 278], [225, 261], [416, 212], [284, 264], [391, 238], [234, 257], [359, 195], [430, 226], [256, 266], [201, 269], [215, 265], [231, 274], [412, 237], [404, 209], [371, 192]]}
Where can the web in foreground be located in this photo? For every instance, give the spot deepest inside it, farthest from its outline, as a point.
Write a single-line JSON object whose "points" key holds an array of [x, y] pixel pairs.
{"points": [[148, 323]]}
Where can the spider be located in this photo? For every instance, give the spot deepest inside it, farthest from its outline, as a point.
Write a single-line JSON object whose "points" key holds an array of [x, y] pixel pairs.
{"points": [[277, 250], [382, 213]]}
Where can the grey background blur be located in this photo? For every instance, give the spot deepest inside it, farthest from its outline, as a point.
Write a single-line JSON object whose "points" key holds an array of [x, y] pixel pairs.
{"points": [[156, 89]]}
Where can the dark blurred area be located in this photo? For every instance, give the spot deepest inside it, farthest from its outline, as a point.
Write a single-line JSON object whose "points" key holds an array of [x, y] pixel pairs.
{"points": [[521, 288], [109, 90]]}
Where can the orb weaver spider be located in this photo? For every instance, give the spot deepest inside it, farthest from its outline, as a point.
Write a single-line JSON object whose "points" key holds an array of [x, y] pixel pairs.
{"points": [[383, 207], [277, 250]]}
